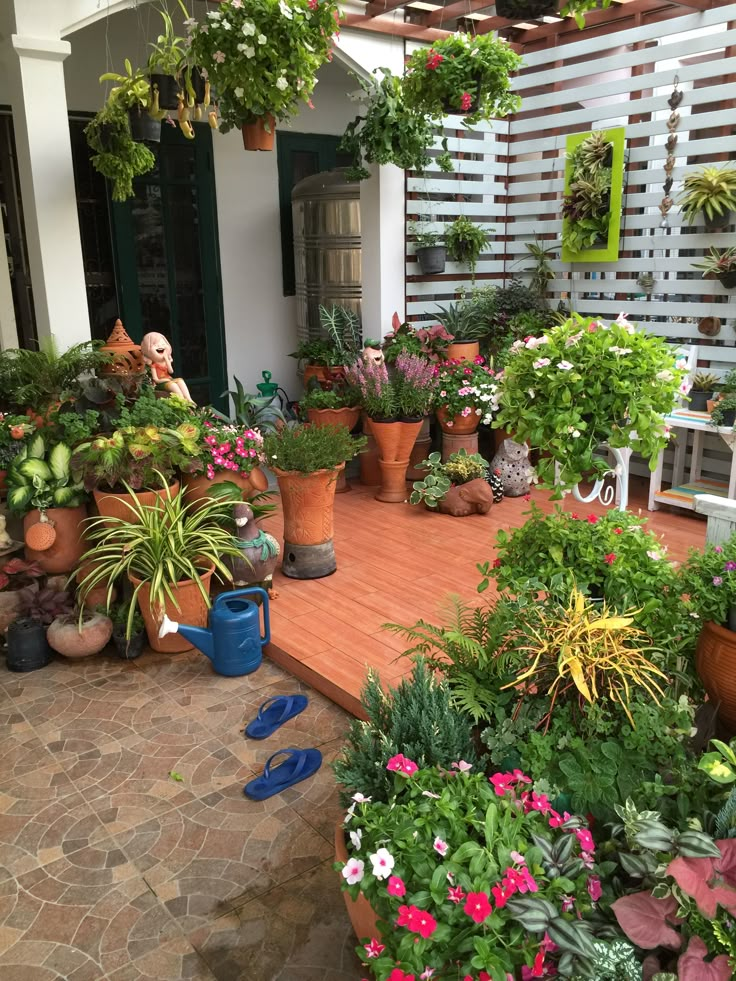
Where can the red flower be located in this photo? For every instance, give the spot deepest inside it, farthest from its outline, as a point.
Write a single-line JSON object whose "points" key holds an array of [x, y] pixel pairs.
{"points": [[618, 531], [374, 948], [574, 515], [416, 920], [477, 906], [592, 519], [610, 558], [527, 497], [434, 60], [466, 101], [502, 894], [398, 975], [395, 886], [496, 563]]}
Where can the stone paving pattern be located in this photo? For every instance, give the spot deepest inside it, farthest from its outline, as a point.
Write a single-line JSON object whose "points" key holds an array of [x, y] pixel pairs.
{"points": [[112, 869]]}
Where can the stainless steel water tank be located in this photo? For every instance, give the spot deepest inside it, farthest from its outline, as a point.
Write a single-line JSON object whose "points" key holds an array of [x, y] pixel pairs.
{"points": [[327, 260]]}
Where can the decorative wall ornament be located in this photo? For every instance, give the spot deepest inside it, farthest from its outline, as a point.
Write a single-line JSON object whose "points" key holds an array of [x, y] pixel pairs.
{"points": [[670, 146], [592, 203]]}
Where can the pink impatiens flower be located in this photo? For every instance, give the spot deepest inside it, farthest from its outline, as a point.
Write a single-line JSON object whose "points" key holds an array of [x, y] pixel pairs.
{"points": [[353, 871], [586, 839], [416, 920], [466, 101], [395, 886], [594, 888], [398, 975], [477, 906], [440, 846], [400, 764], [502, 783]]}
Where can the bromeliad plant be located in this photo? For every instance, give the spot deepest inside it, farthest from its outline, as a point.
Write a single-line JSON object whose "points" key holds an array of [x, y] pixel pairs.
{"points": [[467, 388], [719, 264], [470, 877], [584, 383], [711, 191], [464, 73]]}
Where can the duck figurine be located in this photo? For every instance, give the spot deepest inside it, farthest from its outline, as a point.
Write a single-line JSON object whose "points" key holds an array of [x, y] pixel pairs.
{"points": [[260, 551]]}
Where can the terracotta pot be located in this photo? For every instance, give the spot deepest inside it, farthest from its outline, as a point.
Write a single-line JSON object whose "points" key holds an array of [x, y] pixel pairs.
{"points": [[715, 661], [66, 538], [395, 442], [463, 350], [192, 610], [453, 443], [307, 502], [111, 504], [360, 911], [475, 497], [421, 450], [256, 136], [334, 417], [197, 485], [500, 435], [711, 404], [319, 371], [98, 595], [3, 475], [370, 468], [66, 637], [461, 425]]}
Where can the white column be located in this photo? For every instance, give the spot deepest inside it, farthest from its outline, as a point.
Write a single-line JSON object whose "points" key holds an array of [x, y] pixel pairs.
{"points": [[8, 327], [382, 210], [47, 187]]}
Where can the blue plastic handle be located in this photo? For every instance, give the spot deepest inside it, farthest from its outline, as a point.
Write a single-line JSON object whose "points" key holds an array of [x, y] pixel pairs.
{"points": [[249, 591]]}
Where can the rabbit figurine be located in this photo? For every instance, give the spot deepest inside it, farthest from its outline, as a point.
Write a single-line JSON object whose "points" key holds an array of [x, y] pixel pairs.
{"points": [[512, 465]]}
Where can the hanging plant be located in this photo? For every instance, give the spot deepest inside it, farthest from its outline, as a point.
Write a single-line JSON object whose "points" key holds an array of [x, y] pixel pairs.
{"points": [[464, 73], [535, 9], [390, 132], [262, 56], [590, 215], [465, 241]]}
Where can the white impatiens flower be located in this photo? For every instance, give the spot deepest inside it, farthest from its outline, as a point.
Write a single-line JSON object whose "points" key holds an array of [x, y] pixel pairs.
{"points": [[225, 24], [361, 798], [214, 15], [620, 350], [353, 871], [565, 365], [249, 28], [285, 9], [249, 51], [622, 320], [239, 92], [665, 376], [382, 862], [282, 84], [262, 39], [355, 839]]}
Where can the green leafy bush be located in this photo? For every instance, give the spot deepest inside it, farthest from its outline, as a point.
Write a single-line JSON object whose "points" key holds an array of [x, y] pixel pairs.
{"points": [[40, 476], [306, 449]]}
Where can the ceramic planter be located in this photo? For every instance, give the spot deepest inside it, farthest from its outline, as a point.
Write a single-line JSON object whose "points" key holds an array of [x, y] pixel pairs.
{"points": [[699, 401], [69, 638], [307, 501], [111, 504], [370, 468], [463, 350], [728, 418], [334, 417], [475, 497], [454, 442], [715, 661], [192, 610], [457, 425], [395, 442], [255, 134], [360, 911], [57, 544], [432, 259], [718, 222], [197, 485], [319, 371], [28, 648]]}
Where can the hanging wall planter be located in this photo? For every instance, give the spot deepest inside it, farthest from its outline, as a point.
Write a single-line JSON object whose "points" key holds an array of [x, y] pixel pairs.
{"points": [[709, 195], [259, 134], [432, 259], [720, 264], [591, 208], [165, 90]]}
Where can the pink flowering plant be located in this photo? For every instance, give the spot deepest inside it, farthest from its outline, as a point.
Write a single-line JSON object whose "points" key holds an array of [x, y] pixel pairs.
{"points": [[467, 388], [583, 383], [471, 878], [415, 383], [708, 576], [229, 448]]}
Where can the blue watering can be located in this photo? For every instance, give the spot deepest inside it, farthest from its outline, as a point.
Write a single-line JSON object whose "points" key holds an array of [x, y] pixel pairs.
{"points": [[233, 643]]}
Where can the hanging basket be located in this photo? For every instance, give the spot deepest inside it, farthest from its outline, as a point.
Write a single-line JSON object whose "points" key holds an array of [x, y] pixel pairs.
{"points": [[143, 127], [255, 134], [519, 10], [168, 90]]}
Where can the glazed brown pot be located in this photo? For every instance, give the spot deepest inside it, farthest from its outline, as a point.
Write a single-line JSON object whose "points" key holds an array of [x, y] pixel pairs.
{"points": [[715, 661], [110, 504], [463, 351], [307, 501], [67, 535], [461, 425], [334, 417], [66, 638], [395, 442], [256, 136], [360, 911], [197, 485], [192, 610]]}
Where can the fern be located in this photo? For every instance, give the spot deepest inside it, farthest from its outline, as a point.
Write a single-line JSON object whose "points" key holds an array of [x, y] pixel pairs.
{"points": [[416, 719]]}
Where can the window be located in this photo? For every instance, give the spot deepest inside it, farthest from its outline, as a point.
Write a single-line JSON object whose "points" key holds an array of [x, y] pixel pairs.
{"points": [[300, 155]]}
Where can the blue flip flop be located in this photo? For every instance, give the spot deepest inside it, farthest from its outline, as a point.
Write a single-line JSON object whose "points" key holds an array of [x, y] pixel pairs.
{"points": [[298, 765], [273, 713]]}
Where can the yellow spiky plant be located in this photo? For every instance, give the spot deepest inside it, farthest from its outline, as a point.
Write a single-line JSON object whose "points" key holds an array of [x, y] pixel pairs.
{"points": [[590, 652]]}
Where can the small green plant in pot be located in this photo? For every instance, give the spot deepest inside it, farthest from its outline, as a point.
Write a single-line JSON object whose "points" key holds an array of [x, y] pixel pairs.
{"points": [[720, 264], [465, 242], [724, 411], [34, 380], [130, 640], [133, 91], [430, 250], [703, 386], [710, 192], [440, 488]]}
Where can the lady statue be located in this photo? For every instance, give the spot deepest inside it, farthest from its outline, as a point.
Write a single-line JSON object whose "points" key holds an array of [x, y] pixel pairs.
{"points": [[157, 352]]}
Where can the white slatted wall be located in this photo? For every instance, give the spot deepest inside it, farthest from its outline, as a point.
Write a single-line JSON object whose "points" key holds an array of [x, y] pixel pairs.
{"points": [[621, 79]]}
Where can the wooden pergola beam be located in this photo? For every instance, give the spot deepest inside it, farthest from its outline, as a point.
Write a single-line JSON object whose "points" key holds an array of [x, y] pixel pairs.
{"points": [[417, 32], [614, 13], [458, 8], [378, 7]]}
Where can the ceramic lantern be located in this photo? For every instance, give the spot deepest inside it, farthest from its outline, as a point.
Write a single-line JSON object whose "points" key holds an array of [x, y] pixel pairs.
{"points": [[127, 364]]}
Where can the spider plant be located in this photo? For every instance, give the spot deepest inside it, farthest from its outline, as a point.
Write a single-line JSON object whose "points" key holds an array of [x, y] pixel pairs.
{"points": [[162, 545]]}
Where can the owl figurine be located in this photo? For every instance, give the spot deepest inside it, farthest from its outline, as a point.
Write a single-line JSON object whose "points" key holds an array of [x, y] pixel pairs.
{"points": [[511, 464]]}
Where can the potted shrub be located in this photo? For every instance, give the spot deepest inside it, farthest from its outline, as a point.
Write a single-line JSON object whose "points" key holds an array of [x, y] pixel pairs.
{"points": [[723, 412], [307, 461], [128, 647], [137, 458], [42, 488], [592, 383], [16, 575], [430, 251], [228, 452], [467, 329], [133, 92], [459, 486], [465, 240], [79, 635], [33, 381], [337, 406], [262, 59], [395, 405], [720, 264], [703, 386], [466, 395], [390, 131], [464, 73], [168, 553], [709, 191], [458, 859]]}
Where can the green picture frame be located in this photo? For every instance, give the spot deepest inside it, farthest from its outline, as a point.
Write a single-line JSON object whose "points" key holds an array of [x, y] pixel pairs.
{"points": [[609, 252]]}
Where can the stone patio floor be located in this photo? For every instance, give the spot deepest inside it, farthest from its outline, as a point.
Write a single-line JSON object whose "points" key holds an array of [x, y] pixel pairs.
{"points": [[110, 868]]}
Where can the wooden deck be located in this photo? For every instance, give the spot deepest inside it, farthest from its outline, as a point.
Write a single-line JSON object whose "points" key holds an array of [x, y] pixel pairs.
{"points": [[398, 563]]}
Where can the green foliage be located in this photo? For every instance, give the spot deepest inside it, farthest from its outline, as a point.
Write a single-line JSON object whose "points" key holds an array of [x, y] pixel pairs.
{"points": [[466, 240], [262, 56], [402, 339], [390, 131], [306, 449], [717, 262], [115, 154], [320, 351], [76, 427], [424, 238], [120, 614], [705, 381], [462, 467], [334, 398], [163, 544], [615, 960], [542, 272], [149, 409], [460, 320], [40, 477], [439, 79], [586, 206], [459, 468], [259, 412], [579, 8], [708, 576], [725, 404], [342, 326], [591, 384], [416, 718], [168, 53], [35, 379], [710, 189]]}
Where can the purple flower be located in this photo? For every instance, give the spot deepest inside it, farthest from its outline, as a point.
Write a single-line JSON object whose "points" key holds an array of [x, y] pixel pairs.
{"points": [[717, 549], [729, 566], [717, 581]]}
